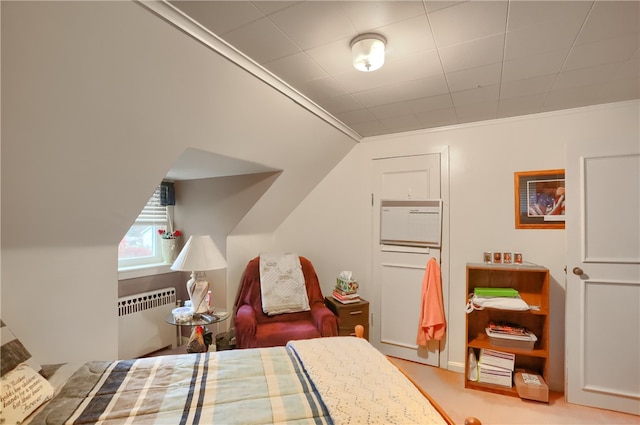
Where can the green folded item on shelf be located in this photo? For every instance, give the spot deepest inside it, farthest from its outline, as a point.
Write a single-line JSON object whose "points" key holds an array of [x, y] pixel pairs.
{"points": [[495, 292]]}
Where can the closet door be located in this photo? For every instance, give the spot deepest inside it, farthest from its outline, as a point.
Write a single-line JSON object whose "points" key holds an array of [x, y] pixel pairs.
{"points": [[398, 271]]}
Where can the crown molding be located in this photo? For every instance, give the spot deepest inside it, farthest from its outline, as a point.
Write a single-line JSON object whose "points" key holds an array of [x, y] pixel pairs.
{"points": [[178, 19]]}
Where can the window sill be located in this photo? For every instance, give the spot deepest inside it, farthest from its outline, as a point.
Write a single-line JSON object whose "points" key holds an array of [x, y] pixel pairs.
{"points": [[142, 271]]}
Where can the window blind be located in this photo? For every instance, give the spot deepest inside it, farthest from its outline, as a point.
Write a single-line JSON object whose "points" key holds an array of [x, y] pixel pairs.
{"points": [[154, 212]]}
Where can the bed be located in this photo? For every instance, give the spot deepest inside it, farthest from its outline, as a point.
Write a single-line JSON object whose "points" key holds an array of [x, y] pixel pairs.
{"points": [[335, 380]]}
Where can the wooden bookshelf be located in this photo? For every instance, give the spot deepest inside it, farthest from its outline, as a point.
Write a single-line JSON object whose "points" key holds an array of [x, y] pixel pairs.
{"points": [[532, 284]]}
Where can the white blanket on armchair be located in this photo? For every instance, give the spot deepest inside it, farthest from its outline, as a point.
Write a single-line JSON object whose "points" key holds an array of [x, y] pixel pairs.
{"points": [[282, 284]]}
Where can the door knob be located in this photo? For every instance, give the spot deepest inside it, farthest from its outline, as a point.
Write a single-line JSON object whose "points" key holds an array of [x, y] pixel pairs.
{"points": [[578, 271]]}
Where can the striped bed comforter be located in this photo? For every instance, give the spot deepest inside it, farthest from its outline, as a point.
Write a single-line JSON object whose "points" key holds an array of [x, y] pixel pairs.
{"points": [[256, 386], [338, 380]]}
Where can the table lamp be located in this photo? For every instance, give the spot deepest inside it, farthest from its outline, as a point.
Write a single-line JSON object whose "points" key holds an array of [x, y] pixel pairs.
{"points": [[199, 254]]}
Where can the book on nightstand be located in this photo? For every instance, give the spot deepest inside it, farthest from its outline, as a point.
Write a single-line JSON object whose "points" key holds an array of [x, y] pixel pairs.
{"points": [[345, 298]]}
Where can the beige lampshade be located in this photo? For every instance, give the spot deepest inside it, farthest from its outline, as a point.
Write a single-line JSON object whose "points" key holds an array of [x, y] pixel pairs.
{"points": [[200, 253]]}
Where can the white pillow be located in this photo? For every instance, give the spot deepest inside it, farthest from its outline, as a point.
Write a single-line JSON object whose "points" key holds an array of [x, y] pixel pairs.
{"points": [[282, 284], [22, 391]]}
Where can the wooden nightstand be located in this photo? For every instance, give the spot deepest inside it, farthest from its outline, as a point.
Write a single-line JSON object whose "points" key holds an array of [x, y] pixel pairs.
{"points": [[350, 315]]}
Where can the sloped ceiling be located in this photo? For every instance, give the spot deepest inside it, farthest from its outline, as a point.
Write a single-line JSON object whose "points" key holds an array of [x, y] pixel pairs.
{"points": [[99, 100]]}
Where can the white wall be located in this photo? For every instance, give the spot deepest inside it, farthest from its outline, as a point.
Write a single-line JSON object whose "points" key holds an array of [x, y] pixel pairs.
{"points": [[332, 225], [98, 100], [53, 301]]}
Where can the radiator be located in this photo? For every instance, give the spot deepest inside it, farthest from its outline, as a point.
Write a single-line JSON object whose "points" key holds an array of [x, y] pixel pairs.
{"points": [[141, 322]]}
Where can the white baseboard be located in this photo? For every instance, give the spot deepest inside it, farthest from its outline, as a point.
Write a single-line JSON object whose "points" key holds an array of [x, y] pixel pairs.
{"points": [[455, 367]]}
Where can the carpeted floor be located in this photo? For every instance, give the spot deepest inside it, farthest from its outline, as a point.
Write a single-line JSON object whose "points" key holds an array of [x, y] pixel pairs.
{"points": [[447, 389]]}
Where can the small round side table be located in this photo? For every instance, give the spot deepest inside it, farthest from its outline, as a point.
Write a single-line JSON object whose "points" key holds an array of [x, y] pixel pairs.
{"points": [[197, 320]]}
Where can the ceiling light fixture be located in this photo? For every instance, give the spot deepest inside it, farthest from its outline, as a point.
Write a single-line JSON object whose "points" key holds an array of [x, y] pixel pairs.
{"points": [[367, 51]]}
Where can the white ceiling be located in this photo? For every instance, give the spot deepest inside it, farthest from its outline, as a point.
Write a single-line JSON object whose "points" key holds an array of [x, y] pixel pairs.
{"points": [[447, 62]]}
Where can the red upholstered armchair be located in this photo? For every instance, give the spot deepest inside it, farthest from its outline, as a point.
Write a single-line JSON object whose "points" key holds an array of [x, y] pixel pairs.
{"points": [[254, 328]]}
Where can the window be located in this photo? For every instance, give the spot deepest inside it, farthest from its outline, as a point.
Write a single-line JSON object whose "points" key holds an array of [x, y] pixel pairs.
{"points": [[141, 244]]}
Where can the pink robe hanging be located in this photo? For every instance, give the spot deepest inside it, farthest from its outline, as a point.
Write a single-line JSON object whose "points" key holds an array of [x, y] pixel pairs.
{"points": [[432, 323]]}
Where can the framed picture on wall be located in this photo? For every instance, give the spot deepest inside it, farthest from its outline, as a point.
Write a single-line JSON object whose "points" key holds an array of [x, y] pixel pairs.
{"points": [[540, 199]]}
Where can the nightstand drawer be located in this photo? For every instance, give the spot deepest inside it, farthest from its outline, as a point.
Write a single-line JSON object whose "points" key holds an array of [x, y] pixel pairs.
{"points": [[350, 315]]}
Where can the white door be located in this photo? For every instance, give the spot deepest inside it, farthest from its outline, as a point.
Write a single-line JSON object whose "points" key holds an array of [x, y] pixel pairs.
{"points": [[398, 271], [603, 275]]}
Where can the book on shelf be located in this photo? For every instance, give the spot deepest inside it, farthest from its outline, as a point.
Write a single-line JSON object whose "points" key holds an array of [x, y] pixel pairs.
{"points": [[507, 328], [495, 292], [527, 336]]}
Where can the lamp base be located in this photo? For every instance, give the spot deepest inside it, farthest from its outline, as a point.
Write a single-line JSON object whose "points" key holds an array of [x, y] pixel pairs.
{"points": [[197, 288]]}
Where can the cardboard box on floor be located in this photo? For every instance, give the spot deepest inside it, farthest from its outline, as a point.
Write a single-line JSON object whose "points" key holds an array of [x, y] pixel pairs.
{"points": [[531, 386]]}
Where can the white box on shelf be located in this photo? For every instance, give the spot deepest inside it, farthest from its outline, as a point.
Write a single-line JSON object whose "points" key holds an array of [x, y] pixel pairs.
{"points": [[495, 375], [498, 359]]}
